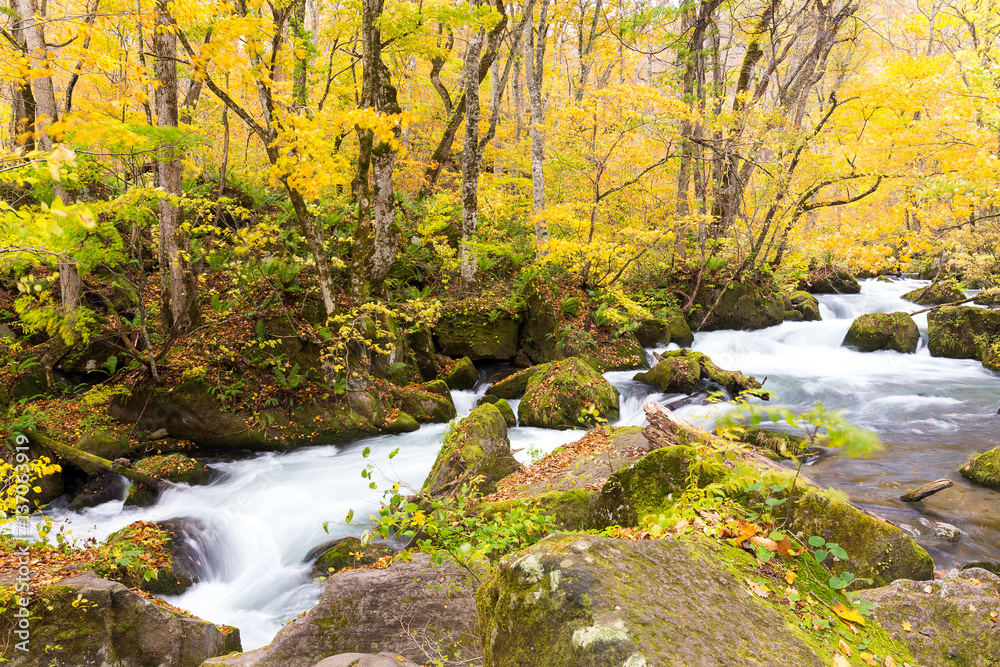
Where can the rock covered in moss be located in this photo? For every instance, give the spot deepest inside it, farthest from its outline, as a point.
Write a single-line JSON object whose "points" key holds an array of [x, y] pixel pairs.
{"points": [[876, 549], [567, 394], [462, 374], [739, 306], [426, 405], [680, 331], [830, 279], [504, 407], [464, 330], [372, 610], [514, 386], [402, 423], [946, 622], [175, 547], [621, 353], [104, 444], [112, 626], [962, 332], [176, 468], [585, 601], [937, 293], [806, 304], [475, 447], [682, 371], [984, 468], [991, 356], [883, 331], [345, 552]]}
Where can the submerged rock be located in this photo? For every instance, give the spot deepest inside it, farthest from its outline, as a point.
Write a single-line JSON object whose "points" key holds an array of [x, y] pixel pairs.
{"points": [[830, 280], [475, 447], [937, 293], [984, 468], [943, 623], [396, 610], [962, 332], [682, 371], [567, 394], [111, 626], [883, 331]]}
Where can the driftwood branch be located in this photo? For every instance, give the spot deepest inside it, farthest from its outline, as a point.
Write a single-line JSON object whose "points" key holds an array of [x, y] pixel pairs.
{"points": [[942, 305], [93, 464], [928, 489]]}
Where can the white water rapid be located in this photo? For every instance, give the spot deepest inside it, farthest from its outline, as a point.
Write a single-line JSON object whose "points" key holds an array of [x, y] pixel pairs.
{"points": [[266, 513]]}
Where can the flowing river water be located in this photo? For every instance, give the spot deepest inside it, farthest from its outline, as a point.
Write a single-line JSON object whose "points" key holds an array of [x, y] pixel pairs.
{"points": [[265, 514]]}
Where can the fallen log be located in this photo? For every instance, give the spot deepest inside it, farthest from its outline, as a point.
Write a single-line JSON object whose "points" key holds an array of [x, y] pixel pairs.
{"points": [[93, 464], [928, 489], [942, 305]]}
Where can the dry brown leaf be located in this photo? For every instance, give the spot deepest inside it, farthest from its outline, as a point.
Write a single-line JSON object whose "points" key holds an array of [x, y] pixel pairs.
{"points": [[889, 662], [844, 648], [757, 589], [765, 542], [840, 661]]}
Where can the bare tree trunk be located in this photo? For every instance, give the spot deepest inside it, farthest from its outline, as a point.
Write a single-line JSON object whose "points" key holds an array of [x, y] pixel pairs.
{"points": [[534, 61], [496, 99], [517, 100], [470, 162], [178, 286]]}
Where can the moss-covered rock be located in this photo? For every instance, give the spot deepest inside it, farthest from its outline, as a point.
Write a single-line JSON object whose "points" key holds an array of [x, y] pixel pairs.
{"points": [[175, 468], [567, 394], [984, 468], [962, 332], [425, 405], [171, 549], [883, 331], [465, 331], [937, 293], [680, 331], [620, 353], [585, 601], [345, 552], [514, 386], [944, 623], [652, 332], [541, 323], [111, 626], [806, 304], [738, 306], [991, 356], [876, 549], [476, 452], [402, 423], [683, 370], [462, 374], [504, 407], [830, 279], [104, 444]]}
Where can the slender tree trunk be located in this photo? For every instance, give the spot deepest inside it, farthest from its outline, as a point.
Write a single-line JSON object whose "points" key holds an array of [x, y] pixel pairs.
{"points": [[517, 100], [496, 99], [534, 60], [470, 162], [178, 285]]}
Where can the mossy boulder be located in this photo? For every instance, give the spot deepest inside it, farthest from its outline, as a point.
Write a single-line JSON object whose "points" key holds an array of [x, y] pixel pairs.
{"points": [[682, 371], [464, 330], [949, 622], [680, 331], [374, 610], [462, 374], [876, 549], [806, 304], [738, 306], [567, 394], [514, 386], [586, 601], [475, 451], [883, 331], [504, 407], [176, 468], [621, 352], [962, 332], [402, 423], [537, 337], [991, 356], [114, 626], [172, 549], [830, 279], [652, 332], [425, 404], [345, 552], [937, 293], [984, 468]]}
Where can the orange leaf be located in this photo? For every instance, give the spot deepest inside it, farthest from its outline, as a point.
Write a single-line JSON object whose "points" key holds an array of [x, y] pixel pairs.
{"points": [[907, 626], [790, 577], [757, 588], [845, 649], [889, 662], [868, 658], [850, 615]]}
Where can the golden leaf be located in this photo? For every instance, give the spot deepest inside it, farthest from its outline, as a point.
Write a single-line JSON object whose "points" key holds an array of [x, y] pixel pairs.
{"points": [[849, 615]]}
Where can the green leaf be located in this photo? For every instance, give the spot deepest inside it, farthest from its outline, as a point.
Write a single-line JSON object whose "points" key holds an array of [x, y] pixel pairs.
{"points": [[366, 452], [326, 527], [837, 552], [816, 541], [820, 555], [392, 454], [350, 515]]}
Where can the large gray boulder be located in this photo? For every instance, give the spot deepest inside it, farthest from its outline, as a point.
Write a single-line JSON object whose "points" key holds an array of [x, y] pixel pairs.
{"points": [[943, 623], [406, 609], [584, 601], [90, 622]]}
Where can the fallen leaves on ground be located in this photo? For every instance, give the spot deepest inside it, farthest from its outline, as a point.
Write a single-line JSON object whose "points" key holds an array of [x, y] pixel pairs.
{"points": [[849, 615]]}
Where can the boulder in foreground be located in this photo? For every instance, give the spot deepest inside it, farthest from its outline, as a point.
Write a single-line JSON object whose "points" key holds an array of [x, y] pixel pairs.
{"points": [[984, 468], [567, 394]]}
